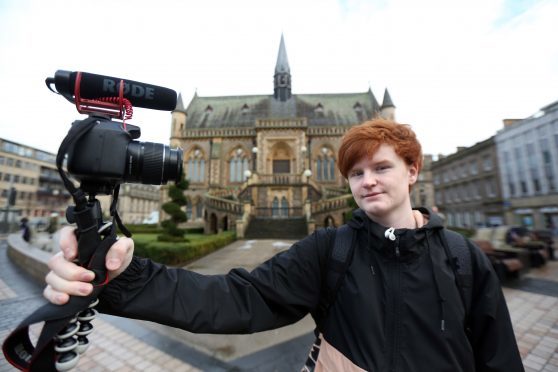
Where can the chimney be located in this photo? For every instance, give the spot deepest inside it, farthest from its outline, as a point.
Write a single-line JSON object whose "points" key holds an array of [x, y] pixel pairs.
{"points": [[510, 122]]}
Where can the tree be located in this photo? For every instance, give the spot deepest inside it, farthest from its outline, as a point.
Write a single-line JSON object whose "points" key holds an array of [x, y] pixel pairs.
{"points": [[174, 209]]}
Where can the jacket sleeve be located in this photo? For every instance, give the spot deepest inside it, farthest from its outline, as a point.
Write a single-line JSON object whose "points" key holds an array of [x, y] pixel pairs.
{"points": [[492, 336], [280, 291]]}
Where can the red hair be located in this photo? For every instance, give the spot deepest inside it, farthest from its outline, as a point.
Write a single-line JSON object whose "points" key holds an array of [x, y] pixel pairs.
{"points": [[365, 139]]}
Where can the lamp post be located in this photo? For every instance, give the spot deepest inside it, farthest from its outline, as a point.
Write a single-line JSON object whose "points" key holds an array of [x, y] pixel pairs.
{"points": [[247, 174], [254, 158]]}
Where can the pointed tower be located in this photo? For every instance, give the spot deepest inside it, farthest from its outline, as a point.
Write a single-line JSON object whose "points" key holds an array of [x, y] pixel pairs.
{"points": [[374, 104], [178, 120], [282, 77], [387, 111]]}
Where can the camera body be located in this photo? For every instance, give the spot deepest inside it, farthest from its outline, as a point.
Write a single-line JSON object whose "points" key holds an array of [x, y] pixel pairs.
{"points": [[108, 154]]}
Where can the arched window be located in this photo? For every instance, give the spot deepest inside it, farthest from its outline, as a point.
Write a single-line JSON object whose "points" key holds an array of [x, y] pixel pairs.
{"points": [[325, 165], [275, 207], [238, 165], [189, 210], [199, 208], [284, 207], [196, 166]]}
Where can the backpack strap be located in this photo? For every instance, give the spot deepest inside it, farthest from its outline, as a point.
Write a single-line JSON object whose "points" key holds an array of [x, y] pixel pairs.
{"points": [[460, 260], [339, 258]]}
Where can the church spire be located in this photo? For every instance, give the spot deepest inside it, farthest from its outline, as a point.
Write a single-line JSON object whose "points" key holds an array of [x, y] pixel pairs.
{"points": [[387, 111], [282, 77]]}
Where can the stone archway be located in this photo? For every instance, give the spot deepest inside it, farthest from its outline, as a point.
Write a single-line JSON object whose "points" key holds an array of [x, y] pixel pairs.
{"points": [[213, 224], [329, 221], [226, 223]]}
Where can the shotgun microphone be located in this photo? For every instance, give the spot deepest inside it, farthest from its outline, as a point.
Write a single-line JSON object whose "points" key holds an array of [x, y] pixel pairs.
{"points": [[93, 86]]}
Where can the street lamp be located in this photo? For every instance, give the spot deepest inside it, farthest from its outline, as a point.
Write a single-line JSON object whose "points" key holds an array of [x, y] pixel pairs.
{"points": [[254, 154]]}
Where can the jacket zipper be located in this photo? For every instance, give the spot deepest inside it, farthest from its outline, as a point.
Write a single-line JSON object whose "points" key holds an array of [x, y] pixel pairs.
{"points": [[396, 307]]}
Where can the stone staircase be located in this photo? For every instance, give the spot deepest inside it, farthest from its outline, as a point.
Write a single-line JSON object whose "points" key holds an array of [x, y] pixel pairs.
{"points": [[276, 228]]}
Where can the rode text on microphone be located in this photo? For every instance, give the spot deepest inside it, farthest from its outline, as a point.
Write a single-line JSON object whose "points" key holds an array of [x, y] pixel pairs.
{"points": [[101, 154]]}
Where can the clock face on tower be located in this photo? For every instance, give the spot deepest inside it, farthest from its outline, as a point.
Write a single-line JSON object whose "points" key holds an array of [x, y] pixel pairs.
{"points": [[282, 81]]}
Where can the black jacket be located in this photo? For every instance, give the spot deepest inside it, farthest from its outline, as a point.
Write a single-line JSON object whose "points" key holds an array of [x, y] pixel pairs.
{"points": [[398, 308]]}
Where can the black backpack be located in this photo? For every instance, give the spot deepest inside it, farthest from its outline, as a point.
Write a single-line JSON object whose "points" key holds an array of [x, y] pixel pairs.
{"points": [[340, 257]]}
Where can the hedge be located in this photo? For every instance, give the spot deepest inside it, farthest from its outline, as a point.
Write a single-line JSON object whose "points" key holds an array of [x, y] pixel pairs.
{"points": [[179, 254], [156, 229]]}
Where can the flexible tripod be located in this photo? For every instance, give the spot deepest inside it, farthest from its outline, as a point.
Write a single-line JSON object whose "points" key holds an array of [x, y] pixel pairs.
{"points": [[64, 334]]}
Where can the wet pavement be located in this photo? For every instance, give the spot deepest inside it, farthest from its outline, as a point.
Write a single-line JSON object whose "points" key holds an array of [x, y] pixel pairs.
{"points": [[128, 345]]}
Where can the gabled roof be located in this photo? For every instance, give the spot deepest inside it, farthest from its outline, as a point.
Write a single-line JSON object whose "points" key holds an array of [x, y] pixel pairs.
{"points": [[342, 109]]}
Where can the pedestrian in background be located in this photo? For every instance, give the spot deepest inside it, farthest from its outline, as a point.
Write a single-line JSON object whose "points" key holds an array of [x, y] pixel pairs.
{"points": [[25, 229]]}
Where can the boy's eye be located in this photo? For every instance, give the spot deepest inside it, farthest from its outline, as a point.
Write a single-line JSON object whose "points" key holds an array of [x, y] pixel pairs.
{"points": [[355, 173], [382, 167]]}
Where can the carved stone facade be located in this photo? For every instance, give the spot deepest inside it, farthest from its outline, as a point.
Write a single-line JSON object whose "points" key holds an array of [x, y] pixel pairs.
{"points": [[268, 156]]}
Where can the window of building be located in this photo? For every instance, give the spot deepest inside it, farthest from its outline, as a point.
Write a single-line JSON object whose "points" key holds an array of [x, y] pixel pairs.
{"points": [[487, 163], [489, 188], [196, 166], [547, 164], [473, 167], [325, 165], [199, 209], [281, 166], [238, 165], [189, 210]]}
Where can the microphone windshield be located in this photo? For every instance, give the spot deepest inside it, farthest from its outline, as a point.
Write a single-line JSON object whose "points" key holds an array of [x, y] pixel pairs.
{"points": [[93, 86]]}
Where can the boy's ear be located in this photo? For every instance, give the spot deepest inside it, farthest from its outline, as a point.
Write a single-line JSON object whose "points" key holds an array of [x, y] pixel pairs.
{"points": [[413, 174]]}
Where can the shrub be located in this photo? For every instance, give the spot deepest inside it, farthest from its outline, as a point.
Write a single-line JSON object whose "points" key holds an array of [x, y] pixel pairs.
{"points": [[180, 253], [174, 209]]}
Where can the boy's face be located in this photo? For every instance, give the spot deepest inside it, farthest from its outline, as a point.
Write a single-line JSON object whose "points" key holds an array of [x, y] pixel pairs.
{"points": [[380, 185]]}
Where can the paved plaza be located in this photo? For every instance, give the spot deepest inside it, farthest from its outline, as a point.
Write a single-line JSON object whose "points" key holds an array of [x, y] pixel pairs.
{"points": [[128, 345]]}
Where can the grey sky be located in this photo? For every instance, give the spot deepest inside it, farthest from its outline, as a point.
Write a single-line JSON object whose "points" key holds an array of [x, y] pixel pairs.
{"points": [[454, 69]]}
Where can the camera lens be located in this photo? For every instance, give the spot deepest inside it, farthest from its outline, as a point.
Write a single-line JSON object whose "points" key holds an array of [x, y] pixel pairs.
{"points": [[152, 163]]}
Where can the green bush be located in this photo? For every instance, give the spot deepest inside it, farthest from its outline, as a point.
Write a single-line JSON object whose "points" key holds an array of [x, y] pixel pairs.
{"points": [[144, 229], [180, 253]]}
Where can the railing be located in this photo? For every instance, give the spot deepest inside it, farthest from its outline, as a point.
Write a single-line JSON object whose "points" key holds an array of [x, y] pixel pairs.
{"points": [[331, 192], [331, 204], [279, 212], [225, 205], [222, 193], [280, 179], [282, 123]]}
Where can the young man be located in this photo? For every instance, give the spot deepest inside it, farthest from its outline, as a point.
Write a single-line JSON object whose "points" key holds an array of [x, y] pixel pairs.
{"points": [[398, 308]]}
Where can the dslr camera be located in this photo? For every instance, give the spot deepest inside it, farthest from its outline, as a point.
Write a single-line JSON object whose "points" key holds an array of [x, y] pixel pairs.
{"points": [[107, 153]]}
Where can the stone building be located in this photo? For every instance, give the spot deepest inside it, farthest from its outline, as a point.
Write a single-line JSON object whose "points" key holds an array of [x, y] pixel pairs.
{"points": [[32, 174], [467, 186], [422, 193], [528, 157], [257, 157], [137, 202]]}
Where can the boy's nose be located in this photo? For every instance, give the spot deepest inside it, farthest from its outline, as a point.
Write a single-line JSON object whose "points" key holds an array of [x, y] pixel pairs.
{"points": [[369, 179]]}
